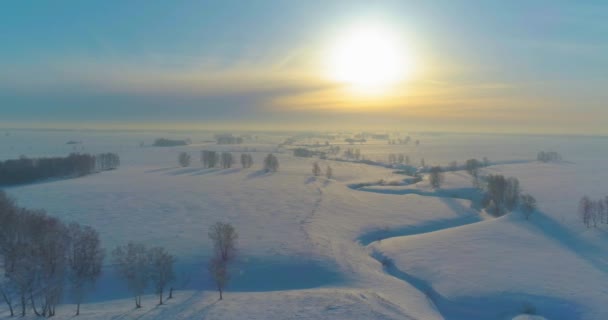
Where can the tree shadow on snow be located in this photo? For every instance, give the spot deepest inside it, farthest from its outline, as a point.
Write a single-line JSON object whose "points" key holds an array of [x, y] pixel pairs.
{"points": [[184, 171], [258, 174]]}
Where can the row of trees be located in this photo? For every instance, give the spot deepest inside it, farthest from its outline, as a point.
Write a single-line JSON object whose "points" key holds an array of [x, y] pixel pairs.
{"points": [[26, 170], [228, 139], [593, 212], [163, 142], [550, 156], [352, 153], [142, 267], [212, 159], [399, 158], [316, 170], [40, 255]]}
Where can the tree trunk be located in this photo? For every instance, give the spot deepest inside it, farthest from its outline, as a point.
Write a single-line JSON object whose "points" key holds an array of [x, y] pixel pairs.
{"points": [[34, 305], [170, 293], [160, 296], [78, 308], [8, 302], [221, 297], [23, 305]]}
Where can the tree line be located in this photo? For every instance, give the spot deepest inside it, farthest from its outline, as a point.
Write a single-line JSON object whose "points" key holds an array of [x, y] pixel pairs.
{"points": [[163, 142], [27, 170], [593, 212], [225, 160], [41, 255]]}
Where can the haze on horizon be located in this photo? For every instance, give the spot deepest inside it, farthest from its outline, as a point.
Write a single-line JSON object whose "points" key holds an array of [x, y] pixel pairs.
{"points": [[467, 66]]}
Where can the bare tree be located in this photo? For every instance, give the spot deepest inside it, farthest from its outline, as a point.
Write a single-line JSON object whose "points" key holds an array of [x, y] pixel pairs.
{"points": [[161, 270], [85, 258], [436, 177], [183, 159], [223, 236], [528, 205], [316, 169], [132, 264]]}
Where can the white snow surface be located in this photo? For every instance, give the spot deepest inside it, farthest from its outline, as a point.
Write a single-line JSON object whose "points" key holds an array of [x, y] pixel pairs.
{"points": [[311, 248]]}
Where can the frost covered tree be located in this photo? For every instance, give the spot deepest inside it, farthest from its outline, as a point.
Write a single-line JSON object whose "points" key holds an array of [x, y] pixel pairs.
{"points": [[161, 270], [223, 237], [183, 159], [502, 194], [209, 159], [472, 166], [316, 169], [528, 205], [226, 159], [585, 208], [436, 176], [271, 163], [246, 160], [512, 194], [131, 262], [85, 259], [329, 173]]}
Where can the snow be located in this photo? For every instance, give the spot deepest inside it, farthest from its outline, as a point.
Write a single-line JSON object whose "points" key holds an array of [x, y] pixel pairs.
{"points": [[311, 248]]}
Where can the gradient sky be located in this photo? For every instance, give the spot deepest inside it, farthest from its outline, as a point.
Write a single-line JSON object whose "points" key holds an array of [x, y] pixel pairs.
{"points": [[504, 66]]}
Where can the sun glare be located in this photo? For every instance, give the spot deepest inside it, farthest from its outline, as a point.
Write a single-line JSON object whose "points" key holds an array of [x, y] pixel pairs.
{"points": [[368, 58]]}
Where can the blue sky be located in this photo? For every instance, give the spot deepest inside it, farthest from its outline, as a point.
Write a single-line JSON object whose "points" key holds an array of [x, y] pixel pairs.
{"points": [[516, 66]]}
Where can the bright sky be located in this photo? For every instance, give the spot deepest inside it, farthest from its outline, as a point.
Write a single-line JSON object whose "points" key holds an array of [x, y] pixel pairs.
{"points": [[505, 66]]}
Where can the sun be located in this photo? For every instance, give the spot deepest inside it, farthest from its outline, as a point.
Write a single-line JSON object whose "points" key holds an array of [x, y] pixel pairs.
{"points": [[368, 58]]}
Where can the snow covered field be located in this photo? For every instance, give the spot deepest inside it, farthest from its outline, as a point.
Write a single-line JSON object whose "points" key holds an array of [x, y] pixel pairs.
{"points": [[311, 248]]}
